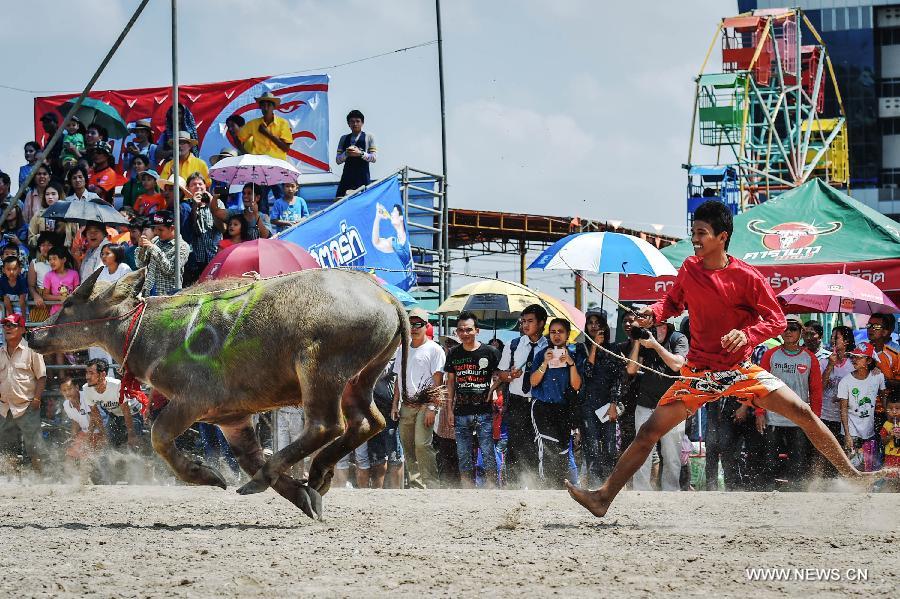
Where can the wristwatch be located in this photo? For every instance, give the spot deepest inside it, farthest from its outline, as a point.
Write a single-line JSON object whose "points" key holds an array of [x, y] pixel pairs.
{"points": [[432, 408]]}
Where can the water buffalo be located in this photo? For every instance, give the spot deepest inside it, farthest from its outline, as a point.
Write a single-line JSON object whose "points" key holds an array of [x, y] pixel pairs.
{"points": [[224, 350]]}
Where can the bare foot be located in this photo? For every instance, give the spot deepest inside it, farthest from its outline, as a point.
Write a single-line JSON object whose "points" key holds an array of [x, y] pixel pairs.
{"points": [[592, 501]]}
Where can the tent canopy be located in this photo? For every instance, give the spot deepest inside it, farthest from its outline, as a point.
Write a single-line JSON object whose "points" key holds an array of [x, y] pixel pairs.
{"points": [[812, 224]]}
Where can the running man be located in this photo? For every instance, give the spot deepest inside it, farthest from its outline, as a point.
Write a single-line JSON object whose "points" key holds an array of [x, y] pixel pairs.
{"points": [[733, 310]]}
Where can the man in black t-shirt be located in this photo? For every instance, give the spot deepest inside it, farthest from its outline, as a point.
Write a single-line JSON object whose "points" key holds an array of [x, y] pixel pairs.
{"points": [[470, 368]]}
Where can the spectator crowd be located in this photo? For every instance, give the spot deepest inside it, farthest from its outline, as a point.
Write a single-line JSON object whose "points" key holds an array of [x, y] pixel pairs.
{"points": [[532, 413]]}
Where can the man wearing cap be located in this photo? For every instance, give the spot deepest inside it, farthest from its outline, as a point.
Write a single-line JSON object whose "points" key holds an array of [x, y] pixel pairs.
{"points": [[424, 369], [158, 255], [141, 144], [22, 379], [103, 178], [355, 151], [798, 367], [665, 351], [151, 200], [188, 162]]}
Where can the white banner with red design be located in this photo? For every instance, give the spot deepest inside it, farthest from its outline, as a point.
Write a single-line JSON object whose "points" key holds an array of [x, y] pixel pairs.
{"points": [[884, 274], [304, 104]]}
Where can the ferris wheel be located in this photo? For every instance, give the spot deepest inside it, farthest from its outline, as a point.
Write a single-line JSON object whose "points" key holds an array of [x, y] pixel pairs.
{"points": [[773, 117]]}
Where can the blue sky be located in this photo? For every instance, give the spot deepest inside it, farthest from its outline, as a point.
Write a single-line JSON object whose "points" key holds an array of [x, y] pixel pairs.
{"points": [[569, 107]]}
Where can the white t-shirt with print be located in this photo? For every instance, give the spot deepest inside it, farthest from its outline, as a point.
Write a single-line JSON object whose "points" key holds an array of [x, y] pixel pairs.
{"points": [[861, 396], [81, 415], [422, 363], [109, 399]]}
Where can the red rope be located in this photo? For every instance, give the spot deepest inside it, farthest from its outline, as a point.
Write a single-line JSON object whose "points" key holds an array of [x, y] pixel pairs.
{"points": [[131, 386]]}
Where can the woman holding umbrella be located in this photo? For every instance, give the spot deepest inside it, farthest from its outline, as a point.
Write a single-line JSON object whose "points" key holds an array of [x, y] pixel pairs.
{"points": [[39, 223]]}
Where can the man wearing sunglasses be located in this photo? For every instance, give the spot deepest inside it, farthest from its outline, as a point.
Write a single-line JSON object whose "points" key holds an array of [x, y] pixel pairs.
{"points": [[879, 330], [798, 367], [22, 379]]}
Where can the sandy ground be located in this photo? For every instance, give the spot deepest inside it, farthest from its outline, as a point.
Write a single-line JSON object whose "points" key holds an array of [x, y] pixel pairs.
{"points": [[178, 541]]}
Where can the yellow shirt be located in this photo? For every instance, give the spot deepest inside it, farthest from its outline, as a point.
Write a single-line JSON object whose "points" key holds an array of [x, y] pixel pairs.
{"points": [[188, 167], [19, 374], [257, 143]]}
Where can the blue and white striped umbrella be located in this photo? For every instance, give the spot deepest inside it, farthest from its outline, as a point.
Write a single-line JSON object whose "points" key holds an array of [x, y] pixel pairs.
{"points": [[605, 253]]}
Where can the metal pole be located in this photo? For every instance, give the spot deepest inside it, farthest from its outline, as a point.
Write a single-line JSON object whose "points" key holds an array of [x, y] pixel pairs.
{"points": [[522, 261], [579, 291], [444, 207], [176, 158], [87, 88]]}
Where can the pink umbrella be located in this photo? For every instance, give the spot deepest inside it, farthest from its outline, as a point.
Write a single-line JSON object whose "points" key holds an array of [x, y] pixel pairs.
{"points": [[268, 257], [835, 293]]}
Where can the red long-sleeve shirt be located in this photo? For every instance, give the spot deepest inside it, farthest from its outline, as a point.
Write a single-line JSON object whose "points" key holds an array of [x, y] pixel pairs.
{"points": [[734, 297]]}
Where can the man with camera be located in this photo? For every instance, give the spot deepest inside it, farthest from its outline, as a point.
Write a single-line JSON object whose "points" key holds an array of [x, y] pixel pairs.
{"points": [[205, 231], [665, 350]]}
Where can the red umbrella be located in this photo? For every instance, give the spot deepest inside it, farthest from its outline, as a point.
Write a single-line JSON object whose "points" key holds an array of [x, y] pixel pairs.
{"points": [[268, 257]]}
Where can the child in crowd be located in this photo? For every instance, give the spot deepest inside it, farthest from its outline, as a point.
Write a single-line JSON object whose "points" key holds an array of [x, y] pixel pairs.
{"points": [[73, 142], [62, 278], [151, 199], [289, 209], [235, 233], [858, 392], [14, 286], [890, 433], [40, 266]]}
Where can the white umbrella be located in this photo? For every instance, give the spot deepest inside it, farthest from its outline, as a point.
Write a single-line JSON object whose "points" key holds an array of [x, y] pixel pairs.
{"points": [[254, 168]]}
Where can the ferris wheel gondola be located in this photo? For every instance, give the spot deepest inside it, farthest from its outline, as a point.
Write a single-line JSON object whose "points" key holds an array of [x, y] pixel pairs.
{"points": [[773, 113]]}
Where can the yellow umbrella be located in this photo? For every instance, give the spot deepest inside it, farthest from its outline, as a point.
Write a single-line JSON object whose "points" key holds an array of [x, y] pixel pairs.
{"points": [[490, 299], [560, 309], [498, 299]]}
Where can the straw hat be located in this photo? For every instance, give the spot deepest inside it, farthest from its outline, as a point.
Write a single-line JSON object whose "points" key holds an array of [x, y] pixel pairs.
{"points": [[163, 183], [143, 124], [269, 97], [185, 136], [226, 152]]}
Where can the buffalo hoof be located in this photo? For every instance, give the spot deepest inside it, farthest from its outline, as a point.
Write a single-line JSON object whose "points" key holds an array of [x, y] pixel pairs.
{"points": [[201, 474], [303, 497], [254, 486]]}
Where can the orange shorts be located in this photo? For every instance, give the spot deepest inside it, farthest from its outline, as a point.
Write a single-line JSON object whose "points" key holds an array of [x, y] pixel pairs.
{"points": [[744, 382]]}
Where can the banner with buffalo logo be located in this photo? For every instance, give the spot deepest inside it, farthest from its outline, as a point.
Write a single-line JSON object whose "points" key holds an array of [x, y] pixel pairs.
{"points": [[304, 104], [366, 231]]}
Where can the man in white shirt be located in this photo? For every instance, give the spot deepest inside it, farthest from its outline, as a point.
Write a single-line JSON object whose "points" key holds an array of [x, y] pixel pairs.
{"points": [[515, 363], [424, 368], [124, 421]]}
